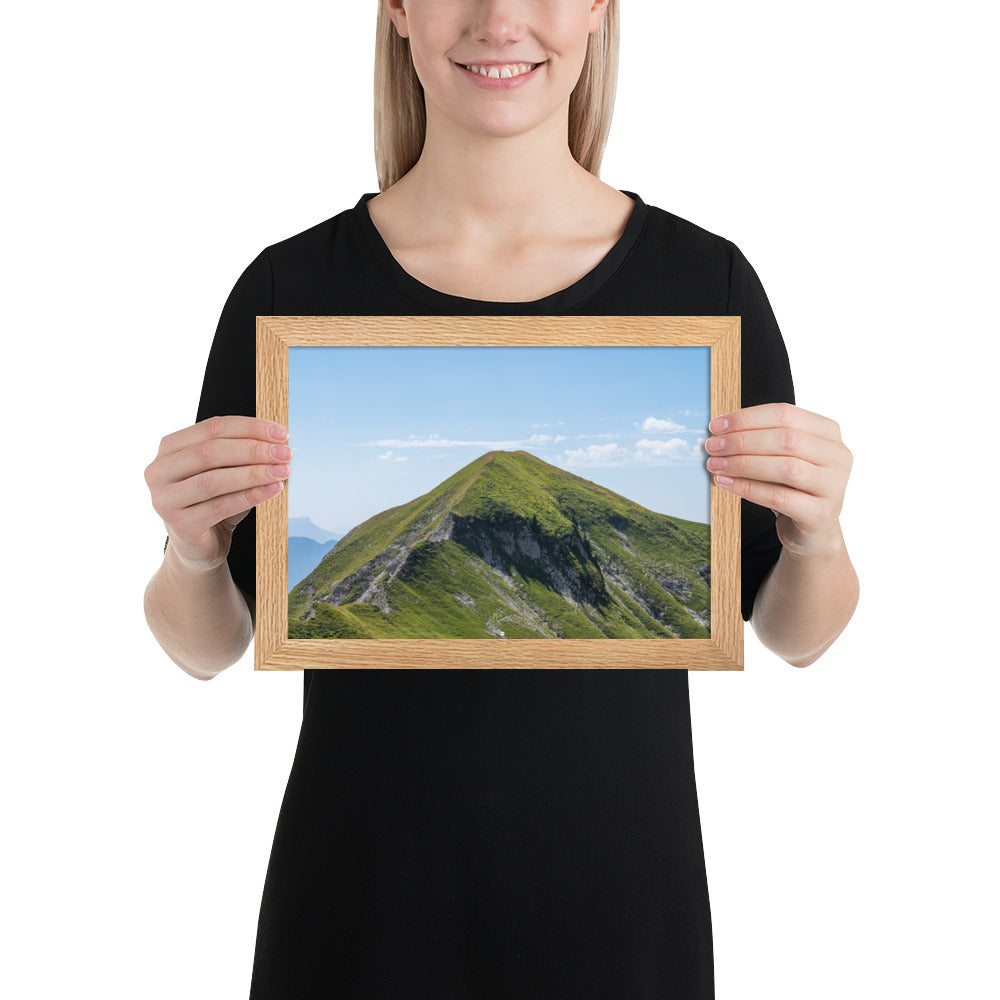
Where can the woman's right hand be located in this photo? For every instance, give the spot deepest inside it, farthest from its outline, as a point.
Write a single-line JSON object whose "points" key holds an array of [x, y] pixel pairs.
{"points": [[206, 478]]}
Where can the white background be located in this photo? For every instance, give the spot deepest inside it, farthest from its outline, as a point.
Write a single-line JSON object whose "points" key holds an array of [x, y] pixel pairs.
{"points": [[152, 152]]}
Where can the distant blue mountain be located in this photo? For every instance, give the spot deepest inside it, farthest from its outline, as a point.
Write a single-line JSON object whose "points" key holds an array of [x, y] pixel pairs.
{"points": [[304, 555], [302, 527]]}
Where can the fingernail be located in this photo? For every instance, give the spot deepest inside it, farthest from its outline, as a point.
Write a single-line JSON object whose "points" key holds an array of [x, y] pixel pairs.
{"points": [[277, 432], [715, 444], [718, 425], [724, 480]]}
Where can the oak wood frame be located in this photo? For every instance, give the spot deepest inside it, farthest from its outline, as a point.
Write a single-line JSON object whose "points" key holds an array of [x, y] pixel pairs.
{"points": [[273, 650]]}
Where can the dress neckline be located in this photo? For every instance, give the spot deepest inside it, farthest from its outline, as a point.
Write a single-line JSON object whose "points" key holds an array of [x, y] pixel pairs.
{"points": [[565, 298]]}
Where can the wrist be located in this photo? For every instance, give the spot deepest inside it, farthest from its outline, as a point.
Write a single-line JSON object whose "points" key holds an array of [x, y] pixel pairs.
{"points": [[184, 571], [826, 546]]}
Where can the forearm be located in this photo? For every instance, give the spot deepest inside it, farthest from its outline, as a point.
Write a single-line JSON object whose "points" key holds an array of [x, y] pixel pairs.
{"points": [[805, 602], [201, 620]]}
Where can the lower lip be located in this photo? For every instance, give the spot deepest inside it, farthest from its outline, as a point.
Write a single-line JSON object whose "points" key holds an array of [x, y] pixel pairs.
{"points": [[500, 83]]}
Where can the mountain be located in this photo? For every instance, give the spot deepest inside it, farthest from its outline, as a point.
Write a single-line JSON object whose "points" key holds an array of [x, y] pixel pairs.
{"points": [[510, 547], [304, 555], [302, 527]]}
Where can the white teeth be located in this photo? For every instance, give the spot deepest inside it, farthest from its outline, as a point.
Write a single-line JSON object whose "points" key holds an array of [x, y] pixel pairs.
{"points": [[502, 72]]}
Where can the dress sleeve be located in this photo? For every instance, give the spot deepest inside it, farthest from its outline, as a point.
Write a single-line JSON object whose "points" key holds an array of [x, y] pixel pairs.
{"points": [[766, 378], [229, 387]]}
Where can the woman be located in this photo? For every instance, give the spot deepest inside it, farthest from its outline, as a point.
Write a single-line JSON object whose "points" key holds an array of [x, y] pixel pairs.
{"points": [[494, 833]]}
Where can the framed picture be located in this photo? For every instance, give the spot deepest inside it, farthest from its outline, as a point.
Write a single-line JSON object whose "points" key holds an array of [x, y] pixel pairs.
{"points": [[498, 492]]}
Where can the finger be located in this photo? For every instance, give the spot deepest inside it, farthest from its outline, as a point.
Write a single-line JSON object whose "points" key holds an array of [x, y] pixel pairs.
{"points": [[803, 508], [232, 426], [780, 469], [778, 441], [194, 521], [776, 415], [215, 453], [213, 483]]}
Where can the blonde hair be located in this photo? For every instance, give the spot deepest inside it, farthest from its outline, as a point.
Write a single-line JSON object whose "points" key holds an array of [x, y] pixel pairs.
{"points": [[401, 121]]}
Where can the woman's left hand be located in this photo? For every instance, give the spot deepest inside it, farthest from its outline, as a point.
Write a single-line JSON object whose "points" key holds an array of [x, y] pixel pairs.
{"points": [[790, 460]]}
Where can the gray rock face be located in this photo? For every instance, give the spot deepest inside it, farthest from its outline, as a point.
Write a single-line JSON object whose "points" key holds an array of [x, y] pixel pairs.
{"points": [[564, 565]]}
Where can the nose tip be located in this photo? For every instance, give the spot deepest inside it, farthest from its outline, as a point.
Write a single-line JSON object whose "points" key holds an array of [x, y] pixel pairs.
{"points": [[499, 22]]}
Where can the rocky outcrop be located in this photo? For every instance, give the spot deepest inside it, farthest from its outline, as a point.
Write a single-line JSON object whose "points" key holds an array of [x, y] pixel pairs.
{"points": [[565, 565]]}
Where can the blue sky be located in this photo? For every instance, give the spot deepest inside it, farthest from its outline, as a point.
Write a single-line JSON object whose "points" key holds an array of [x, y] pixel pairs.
{"points": [[374, 427]]}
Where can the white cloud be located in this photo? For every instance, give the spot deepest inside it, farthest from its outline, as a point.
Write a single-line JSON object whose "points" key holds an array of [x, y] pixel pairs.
{"points": [[647, 450], [436, 441], [595, 454], [673, 450], [654, 425]]}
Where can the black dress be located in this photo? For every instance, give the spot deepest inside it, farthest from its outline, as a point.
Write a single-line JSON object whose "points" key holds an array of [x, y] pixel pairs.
{"points": [[479, 834]]}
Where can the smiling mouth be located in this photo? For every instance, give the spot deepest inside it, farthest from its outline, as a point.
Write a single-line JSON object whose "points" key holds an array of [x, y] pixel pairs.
{"points": [[501, 72]]}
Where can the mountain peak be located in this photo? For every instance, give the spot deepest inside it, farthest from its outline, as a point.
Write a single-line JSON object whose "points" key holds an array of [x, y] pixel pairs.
{"points": [[510, 539]]}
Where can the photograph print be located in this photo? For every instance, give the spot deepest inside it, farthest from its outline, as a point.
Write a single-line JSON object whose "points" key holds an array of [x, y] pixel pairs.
{"points": [[499, 492]]}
